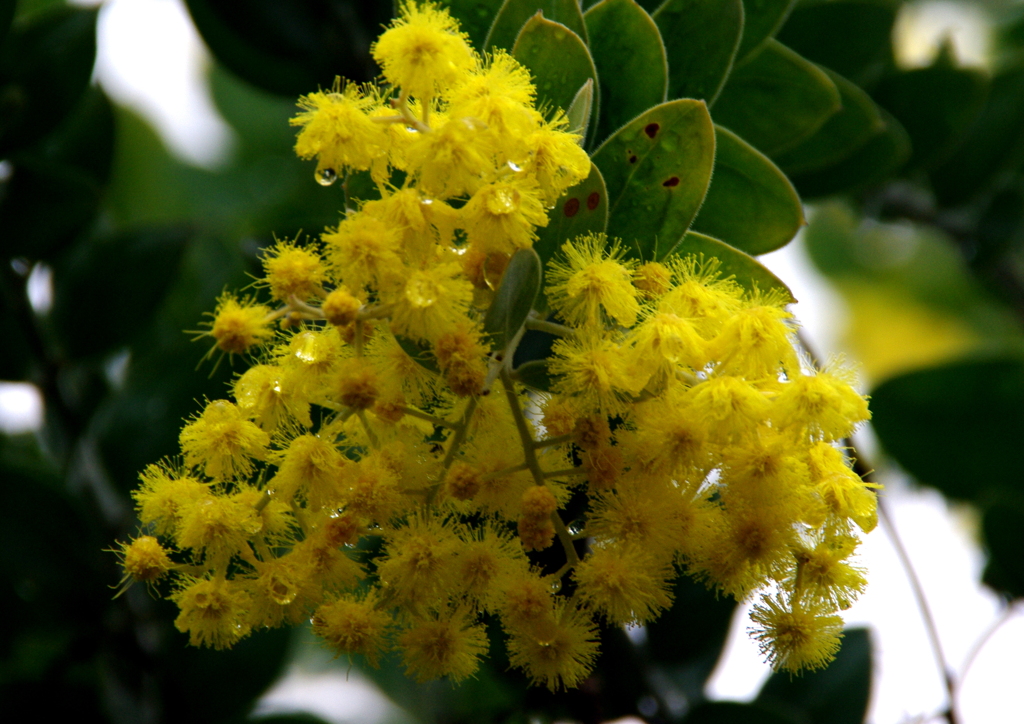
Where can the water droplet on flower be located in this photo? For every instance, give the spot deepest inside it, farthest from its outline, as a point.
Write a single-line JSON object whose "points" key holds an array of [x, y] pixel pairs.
{"points": [[514, 167], [326, 176]]}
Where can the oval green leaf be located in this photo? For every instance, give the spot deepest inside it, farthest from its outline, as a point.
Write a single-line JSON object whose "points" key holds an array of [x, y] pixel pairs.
{"points": [[1002, 524], [842, 134], [701, 39], [558, 59], [630, 59], [657, 168], [514, 298], [957, 426], [761, 20], [582, 209], [750, 204], [776, 99], [514, 14], [883, 154], [745, 269], [420, 353]]}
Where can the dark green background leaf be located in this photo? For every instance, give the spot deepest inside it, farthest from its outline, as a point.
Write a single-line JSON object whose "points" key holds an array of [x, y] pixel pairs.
{"points": [[837, 694], [957, 426], [761, 19], [45, 66]]}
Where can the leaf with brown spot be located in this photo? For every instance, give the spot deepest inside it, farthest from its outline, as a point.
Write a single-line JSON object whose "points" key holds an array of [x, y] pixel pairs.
{"points": [[649, 216], [582, 209]]}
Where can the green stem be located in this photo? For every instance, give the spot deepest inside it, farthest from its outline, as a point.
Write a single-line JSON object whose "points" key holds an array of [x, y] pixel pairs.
{"points": [[542, 325], [440, 422]]}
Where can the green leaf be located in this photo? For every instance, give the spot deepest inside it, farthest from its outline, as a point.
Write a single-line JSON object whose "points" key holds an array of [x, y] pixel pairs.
{"points": [[856, 122], [993, 144], [557, 58], [535, 375], [852, 37], [657, 169], [579, 111], [630, 59], [514, 15], [45, 207], [747, 270], [776, 99], [701, 39], [761, 20], [731, 712], [1002, 524], [420, 353], [882, 155], [686, 641], [956, 426], [750, 203], [6, 17], [45, 66], [582, 209], [837, 694], [107, 288], [514, 298], [475, 17], [936, 105], [292, 48]]}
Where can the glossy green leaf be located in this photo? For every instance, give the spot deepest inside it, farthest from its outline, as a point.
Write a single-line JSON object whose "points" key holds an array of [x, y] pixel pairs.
{"points": [[657, 169], [45, 66], [582, 209], [750, 203], [852, 37], [856, 122], [837, 694], [515, 14], [761, 20], [557, 58], [747, 270], [701, 39], [936, 105], [630, 59], [993, 144], [957, 426], [106, 288], [579, 112], [1002, 525], [883, 154], [731, 712], [514, 298], [292, 48], [475, 17], [776, 99]]}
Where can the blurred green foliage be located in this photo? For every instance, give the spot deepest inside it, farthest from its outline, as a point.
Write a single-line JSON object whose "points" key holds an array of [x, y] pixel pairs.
{"points": [[919, 177]]}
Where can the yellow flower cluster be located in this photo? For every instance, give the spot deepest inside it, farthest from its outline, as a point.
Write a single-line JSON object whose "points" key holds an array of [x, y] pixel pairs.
{"points": [[366, 477]]}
